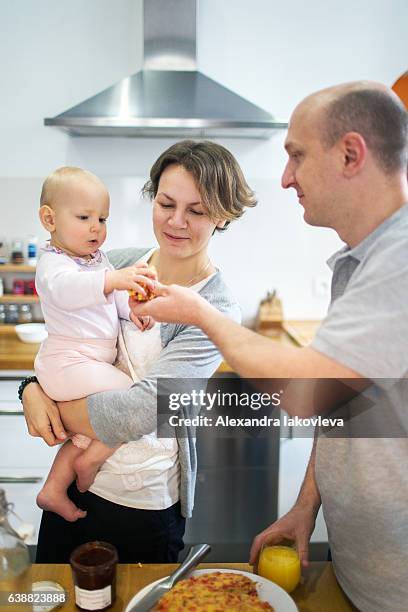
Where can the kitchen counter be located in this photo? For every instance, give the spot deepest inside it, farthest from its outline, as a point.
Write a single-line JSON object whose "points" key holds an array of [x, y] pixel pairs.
{"points": [[14, 354], [17, 355], [293, 333], [318, 592]]}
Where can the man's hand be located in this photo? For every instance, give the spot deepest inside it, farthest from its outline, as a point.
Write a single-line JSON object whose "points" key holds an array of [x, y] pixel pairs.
{"points": [[297, 525], [173, 304], [42, 416], [130, 279]]}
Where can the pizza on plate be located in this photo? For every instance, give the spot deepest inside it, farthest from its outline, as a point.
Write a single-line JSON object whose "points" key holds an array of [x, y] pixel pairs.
{"points": [[213, 592]]}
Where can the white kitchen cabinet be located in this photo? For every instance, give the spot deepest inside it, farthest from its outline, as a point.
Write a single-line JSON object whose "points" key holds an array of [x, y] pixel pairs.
{"points": [[18, 449], [24, 460], [9, 383], [22, 486], [293, 460]]}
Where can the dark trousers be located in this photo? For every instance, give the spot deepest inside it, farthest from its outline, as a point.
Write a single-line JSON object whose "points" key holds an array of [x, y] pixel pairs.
{"points": [[145, 536]]}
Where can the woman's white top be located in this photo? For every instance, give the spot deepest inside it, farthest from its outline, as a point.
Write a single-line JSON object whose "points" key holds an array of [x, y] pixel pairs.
{"points": [[145, 473]]}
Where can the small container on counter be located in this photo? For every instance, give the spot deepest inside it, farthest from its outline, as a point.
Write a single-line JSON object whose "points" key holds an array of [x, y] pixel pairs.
{"points": [[94, 573], [52, 593], [2, 314]]}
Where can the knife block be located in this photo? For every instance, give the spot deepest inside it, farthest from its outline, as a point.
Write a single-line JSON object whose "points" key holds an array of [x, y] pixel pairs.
{"points": [[270, 315]]}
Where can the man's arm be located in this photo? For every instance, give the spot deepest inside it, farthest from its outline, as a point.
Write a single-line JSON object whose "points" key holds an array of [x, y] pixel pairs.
{"points": [[248, 353], [298, 524], [255, 356], [309, 494]]}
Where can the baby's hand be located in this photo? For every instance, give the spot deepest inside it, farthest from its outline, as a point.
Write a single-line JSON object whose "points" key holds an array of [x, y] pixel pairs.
{"points": [[142, 322], [134, 278]]}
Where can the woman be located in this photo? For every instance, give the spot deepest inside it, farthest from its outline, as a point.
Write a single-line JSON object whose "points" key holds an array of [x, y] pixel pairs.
{"points": [[145, 491]]}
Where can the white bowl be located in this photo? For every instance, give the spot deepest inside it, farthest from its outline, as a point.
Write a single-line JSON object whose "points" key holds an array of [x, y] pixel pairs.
{"points": [[33, 333]]}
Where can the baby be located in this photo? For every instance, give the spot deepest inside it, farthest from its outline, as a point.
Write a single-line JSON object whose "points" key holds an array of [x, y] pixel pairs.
{"points": [[82, 298]]}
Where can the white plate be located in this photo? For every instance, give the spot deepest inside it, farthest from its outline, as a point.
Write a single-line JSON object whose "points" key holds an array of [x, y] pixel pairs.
{"points": [[267, 590]]}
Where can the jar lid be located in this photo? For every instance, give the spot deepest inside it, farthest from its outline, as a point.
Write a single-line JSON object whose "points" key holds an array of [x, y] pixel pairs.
{"points": [[51, 594]]}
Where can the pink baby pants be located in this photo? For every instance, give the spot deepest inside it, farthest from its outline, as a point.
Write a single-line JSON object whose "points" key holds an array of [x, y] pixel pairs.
{"points": [[71, 368]]}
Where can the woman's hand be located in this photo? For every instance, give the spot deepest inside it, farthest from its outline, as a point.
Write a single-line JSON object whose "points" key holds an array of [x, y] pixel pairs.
{"points": [[131, 279], [173, 304], [142, 323], [42, 416], [297, 525]]}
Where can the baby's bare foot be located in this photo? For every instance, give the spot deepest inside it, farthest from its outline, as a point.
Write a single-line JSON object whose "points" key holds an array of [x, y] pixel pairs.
{"points": [[55, 500], [85, 471]]}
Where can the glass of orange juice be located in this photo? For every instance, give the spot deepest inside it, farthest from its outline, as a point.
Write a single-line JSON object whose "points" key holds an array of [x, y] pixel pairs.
{"points": [[281, 564]]}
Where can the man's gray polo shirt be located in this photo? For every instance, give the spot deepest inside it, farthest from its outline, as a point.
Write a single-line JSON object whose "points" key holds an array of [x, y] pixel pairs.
{"points": [[363, 482]]}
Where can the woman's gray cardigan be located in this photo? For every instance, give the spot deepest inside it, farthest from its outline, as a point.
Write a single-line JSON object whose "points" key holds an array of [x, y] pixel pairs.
{"points": [[124, 415]]}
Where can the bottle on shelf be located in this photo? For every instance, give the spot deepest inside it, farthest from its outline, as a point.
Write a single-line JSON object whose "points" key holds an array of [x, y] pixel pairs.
{"points": [[32, 249], [2, 314], [1, 287], [4, 255]]}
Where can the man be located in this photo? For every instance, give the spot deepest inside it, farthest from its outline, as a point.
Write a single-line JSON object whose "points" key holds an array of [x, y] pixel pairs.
{"points": [[347, 148]]}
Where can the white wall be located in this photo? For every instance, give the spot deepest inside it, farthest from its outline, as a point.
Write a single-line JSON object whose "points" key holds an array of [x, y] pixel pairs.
{"points": [[55, 54]]}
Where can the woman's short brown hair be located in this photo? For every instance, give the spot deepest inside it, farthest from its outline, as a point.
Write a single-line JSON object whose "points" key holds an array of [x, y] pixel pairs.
{"points": [[220, 181]]}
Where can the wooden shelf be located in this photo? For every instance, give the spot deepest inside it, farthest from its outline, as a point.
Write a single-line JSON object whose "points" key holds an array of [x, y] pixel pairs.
{"points": [[9, 298], [16, 268]]}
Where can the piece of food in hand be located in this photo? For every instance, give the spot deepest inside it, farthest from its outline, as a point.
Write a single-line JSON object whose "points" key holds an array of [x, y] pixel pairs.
{"points": [[150, 294], [212, 592]]}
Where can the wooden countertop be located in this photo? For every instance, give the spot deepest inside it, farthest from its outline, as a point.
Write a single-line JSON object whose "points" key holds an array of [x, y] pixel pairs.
{"points": [[318, 592], [14, 354], [294, 333], [17, 355]]}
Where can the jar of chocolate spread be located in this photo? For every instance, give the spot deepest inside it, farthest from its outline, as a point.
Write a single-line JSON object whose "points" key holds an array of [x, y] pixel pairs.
{"points": [[94, 573]]}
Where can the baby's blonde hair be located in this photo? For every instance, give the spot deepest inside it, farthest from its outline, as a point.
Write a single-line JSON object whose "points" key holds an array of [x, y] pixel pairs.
{"points": [[60, 177]]}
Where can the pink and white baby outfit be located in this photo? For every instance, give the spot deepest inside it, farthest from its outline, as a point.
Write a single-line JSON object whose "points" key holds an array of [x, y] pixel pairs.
{"points": [[77, 358]]}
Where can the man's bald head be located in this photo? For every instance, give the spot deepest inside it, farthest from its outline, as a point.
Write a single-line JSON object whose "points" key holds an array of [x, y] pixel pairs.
{"points": [[372, 110]]}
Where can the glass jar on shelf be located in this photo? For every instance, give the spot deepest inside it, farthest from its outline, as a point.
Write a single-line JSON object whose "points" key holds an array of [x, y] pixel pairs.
{"points": [[18, 286], [25, 315], [12, 314]]}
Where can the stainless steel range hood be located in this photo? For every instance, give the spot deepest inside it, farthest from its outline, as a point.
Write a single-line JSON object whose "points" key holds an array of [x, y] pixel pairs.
{"points": [[169, 97]]}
